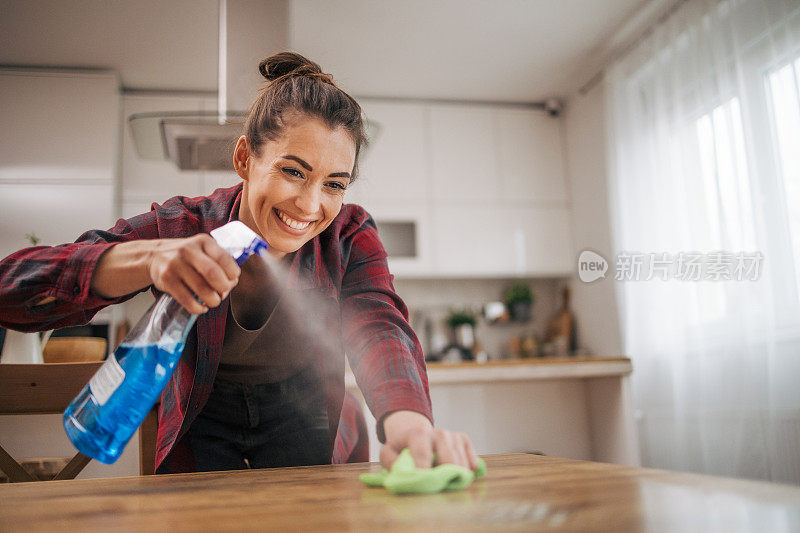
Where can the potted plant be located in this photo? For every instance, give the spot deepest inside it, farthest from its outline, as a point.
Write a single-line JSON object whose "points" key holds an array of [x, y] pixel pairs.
{"points": [[519, 300], [463, 324]]}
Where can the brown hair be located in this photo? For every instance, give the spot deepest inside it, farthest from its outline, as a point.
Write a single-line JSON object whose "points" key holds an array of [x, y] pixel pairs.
{"points": [[297, 84]]}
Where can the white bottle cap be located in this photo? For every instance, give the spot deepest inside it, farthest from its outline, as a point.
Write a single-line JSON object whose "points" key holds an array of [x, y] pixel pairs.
{"points": [[238, 240]]}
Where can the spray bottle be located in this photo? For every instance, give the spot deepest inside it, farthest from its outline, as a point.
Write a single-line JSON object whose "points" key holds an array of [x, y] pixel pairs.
{"points": [[103, 417]]}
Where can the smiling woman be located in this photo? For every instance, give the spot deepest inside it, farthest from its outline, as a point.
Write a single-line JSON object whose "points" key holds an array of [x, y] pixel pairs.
{"points": [[259, 384], [295, 188], [298, 154]]}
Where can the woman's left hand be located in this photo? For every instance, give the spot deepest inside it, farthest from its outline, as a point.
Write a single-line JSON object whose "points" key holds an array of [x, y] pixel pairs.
{"points": [[408, 429]]}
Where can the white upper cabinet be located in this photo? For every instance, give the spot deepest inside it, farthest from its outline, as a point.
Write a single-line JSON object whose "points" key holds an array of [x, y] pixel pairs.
{"points": [[393, 167], [502, 241], [463, 153], [531, 156], [58, 155], [58, 126]]}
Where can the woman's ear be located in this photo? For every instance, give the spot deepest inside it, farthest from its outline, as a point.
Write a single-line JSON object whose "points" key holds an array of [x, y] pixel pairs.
{"points": [[241, 155]]}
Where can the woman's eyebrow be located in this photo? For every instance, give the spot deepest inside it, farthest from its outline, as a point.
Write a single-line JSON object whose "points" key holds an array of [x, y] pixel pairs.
{"points": [[308, 167], [297, 159]]}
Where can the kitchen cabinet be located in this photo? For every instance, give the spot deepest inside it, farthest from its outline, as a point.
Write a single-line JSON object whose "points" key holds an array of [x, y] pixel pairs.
{"points": [[58, 158], [393, 168], [58, 127], [58, 176], [484, 186], [492, 240], [530, 156], [463, 153]]}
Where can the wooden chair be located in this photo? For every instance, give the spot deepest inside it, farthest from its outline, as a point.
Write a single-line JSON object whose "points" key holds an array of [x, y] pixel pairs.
{"points": [[48, 389], [147, 443]]}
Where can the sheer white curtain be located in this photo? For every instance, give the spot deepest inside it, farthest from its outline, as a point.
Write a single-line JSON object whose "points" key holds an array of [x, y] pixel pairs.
{"points": [[704, 152]]}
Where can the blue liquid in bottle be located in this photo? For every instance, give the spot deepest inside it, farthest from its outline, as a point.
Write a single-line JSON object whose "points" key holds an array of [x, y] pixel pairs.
{"points": [[104, 416]]}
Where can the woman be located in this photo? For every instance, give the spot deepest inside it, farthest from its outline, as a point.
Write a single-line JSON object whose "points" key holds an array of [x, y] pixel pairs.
{"points": [[254, 387]]}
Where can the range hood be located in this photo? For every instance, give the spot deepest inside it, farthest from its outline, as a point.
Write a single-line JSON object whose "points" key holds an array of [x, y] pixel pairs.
{"points": [[249, 30], [191, 140]]}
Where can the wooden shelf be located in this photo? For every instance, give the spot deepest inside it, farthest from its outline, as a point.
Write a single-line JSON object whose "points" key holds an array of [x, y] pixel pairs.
{"points": [[522, 370], [526, 362]]}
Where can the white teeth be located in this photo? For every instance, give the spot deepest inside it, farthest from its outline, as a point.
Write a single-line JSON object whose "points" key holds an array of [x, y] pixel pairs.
{"points": [[292, 223]]}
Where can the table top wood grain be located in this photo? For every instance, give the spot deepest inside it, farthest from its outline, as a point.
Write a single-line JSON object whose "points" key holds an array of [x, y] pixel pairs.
{"points": [[521, 492]]}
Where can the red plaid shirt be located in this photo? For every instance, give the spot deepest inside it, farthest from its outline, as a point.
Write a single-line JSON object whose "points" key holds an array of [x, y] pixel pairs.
{"points": [[346, 262]]}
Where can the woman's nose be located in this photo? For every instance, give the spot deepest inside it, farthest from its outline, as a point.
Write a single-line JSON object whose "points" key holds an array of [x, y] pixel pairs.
{"points": [[308, 201]]}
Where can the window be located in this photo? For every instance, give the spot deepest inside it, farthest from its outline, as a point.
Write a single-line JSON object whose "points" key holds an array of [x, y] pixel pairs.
{"points": [[784, 100]]}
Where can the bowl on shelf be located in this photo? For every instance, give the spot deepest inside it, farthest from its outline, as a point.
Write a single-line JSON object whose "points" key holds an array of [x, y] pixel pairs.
{"points": [[74, 350]]}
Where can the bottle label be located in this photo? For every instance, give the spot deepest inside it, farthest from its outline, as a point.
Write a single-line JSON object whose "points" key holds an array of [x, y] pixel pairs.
{"points": [[106, 380]]}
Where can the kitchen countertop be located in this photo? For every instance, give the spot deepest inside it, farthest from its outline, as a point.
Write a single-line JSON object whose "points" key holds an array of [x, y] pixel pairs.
{"points": [[544, 368], [521, 492]]}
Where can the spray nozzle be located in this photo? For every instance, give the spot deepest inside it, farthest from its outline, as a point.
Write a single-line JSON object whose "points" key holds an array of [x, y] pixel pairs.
{"points": [[239, 241]]}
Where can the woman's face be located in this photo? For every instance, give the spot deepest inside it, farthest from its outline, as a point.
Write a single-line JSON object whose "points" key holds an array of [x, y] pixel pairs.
{"points": [[295, 188]]}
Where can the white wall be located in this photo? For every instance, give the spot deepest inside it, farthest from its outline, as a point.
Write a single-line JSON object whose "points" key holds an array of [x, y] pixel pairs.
{"points": [[594, 304]]}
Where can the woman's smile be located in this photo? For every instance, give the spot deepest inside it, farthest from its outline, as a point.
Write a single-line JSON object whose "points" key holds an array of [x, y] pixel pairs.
{"points": [[291, 224]]}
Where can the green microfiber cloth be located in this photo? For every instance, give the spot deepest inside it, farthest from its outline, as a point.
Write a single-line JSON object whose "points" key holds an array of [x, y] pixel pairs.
{"points": [[406, 478]]}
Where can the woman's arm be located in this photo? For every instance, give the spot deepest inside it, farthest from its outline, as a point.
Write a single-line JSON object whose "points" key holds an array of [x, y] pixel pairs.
{"points": [[181, 267], [123, 269], [382, 348], [49, 287], [387, 360]]}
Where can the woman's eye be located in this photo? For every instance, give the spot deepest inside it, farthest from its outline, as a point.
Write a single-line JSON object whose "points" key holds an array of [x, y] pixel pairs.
{"points": [[337, 186], [293, 172]]}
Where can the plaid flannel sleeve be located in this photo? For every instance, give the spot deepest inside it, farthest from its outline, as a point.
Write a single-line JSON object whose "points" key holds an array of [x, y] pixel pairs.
{"points": [[383, 350], [47, 287]]}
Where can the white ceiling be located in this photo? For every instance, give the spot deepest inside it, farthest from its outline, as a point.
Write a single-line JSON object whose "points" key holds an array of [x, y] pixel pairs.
{"points": [[508, 50], [150, 43], [502, 50]]}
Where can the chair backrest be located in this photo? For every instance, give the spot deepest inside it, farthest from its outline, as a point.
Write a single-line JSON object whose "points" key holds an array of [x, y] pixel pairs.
{"points": [[42, 388]]}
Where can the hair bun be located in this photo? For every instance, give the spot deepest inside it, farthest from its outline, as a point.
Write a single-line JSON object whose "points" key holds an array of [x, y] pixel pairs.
{"points": [[289, 63]]}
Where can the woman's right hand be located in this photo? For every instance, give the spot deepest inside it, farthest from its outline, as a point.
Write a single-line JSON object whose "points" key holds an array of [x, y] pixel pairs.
{"points": [[180, 267], [193, 266]]}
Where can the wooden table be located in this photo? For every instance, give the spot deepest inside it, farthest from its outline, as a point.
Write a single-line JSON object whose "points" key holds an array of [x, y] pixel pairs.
{"points": [[521, 492]]}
